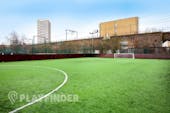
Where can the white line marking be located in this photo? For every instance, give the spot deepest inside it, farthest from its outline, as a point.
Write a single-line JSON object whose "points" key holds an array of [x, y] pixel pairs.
{"points": [[39, 99]]}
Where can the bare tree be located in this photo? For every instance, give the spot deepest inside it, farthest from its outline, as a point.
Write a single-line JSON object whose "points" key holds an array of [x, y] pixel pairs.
{"points": [[16, 42], [14, 38]]}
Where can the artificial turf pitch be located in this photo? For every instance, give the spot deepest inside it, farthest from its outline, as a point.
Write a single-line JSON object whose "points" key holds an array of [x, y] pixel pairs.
{"points": [[102, 85]]}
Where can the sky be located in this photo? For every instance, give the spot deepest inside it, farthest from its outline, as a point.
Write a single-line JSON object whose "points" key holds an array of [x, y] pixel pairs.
{"points": [[83, 16]]}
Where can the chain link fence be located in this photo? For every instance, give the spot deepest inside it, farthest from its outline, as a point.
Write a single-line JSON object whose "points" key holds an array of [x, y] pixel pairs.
{"points": [[77, 49]]}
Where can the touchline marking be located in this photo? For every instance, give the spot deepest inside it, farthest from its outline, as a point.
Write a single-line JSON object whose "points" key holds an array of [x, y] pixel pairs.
{"points": [[39, 99]]}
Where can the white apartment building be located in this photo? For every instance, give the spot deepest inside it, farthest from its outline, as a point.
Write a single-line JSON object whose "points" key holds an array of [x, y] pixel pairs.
{"points": [[43, 31]]}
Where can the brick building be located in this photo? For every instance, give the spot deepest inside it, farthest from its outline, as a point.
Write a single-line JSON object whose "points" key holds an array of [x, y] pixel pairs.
{"points": [[119, 27]]}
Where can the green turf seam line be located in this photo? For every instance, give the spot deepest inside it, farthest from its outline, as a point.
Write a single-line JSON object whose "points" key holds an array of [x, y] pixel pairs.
{"points": [[39, 99]]}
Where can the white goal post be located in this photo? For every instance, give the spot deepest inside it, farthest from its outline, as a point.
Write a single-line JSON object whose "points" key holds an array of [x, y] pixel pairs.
{"points": [[124, 55]]}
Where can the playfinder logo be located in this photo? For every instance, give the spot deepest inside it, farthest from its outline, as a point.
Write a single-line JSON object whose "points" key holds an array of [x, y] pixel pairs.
{"points": [[14, 97]]}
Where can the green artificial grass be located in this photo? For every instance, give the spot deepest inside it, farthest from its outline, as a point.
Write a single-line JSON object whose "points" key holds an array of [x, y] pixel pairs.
{"points": [[103, 85]]}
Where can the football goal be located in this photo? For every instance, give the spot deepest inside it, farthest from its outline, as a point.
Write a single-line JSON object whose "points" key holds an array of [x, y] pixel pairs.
{"points": [[124, 55]]}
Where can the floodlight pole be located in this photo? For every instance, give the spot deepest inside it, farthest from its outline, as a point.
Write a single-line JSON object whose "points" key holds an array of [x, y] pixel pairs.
{"points": [[76, 34], [45, 42], [72, 31], [66, 34], [92, 33], [91, 41], [33, 42]]}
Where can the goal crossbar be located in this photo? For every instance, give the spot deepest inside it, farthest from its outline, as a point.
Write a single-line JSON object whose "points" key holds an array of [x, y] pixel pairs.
{"points": [[124, 55]]}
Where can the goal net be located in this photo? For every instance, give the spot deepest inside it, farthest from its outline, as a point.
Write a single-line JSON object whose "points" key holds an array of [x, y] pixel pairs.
{"points": [[124, 55]]}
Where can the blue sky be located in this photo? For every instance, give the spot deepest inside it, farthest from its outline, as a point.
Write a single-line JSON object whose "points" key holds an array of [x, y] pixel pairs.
{"points": [[80, 15]]}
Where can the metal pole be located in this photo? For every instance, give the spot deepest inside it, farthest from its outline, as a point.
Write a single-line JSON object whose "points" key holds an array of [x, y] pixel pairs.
{"points": [[32, 44], [45, 45], [72, 31], [92, 41], [130, 29], [76, 34], [92, 45], [66, 34]]}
